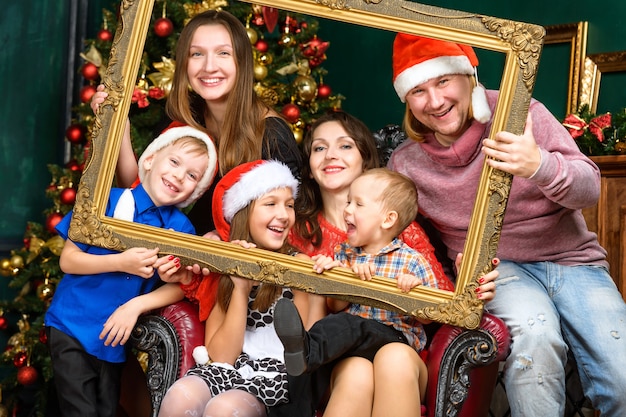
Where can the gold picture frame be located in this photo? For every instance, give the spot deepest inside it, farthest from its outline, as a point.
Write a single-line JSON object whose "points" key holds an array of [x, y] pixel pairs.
{"points": [[595, 66], [574, 34], [520, 42]]}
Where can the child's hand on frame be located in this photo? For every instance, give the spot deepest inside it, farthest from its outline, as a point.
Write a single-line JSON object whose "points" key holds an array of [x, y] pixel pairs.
{"points": [[406, 282], [138, 261], [324, 263], [365, 271]]}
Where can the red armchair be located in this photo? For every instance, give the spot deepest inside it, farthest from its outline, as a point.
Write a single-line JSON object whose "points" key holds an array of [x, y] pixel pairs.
{"points": [[462, 364]]}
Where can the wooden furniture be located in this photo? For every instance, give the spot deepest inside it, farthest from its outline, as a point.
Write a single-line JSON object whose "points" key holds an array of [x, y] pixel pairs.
{"points": [[608, 217]]}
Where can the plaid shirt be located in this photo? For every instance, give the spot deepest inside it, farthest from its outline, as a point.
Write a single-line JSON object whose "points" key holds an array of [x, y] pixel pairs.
{"points": [[395, 258]]}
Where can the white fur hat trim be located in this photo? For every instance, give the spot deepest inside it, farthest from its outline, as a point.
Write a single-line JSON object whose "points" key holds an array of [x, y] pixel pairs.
{"points": [[253, 184]]}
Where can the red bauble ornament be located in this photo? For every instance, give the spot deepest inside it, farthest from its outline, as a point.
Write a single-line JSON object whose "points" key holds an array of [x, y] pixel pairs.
{"points": [[74, 165], [163, 27], [324, 91], [86, 93], [43, 336], [261, 45], [52, 221], [105, 35], [68, 196], [291, 112], [20, 359], [4, 323], [90, 71], [75, 134], [27, 375]]}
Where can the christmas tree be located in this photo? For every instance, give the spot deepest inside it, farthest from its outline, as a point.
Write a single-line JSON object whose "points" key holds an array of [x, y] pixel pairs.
{"points": [[290, 77]]}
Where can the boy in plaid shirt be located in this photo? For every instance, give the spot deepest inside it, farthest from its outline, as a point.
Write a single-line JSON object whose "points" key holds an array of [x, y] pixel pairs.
{"points": [[381, 204]]}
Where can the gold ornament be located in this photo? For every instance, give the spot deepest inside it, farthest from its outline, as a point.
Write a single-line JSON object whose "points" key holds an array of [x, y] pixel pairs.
{"points": [[252, 35], [17, 261], [265, 58], [299, 124], [54, 244], [163, 78], [260, 72], [298, 134], [5, 265], [287, 40], [192, 9], [306, 87], [45, 291], [268, 95]]}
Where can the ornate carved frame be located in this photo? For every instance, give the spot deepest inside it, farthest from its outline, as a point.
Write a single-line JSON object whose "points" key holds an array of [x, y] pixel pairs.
{"points": [[520, 42], [595, 65], [576, 35]]}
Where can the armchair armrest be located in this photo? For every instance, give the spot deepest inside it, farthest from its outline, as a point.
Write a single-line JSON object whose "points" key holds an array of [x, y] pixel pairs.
{"points": [[463, 367], [168, 335]]}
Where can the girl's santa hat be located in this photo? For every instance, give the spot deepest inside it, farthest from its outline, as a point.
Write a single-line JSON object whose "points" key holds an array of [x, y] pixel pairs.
{"points": [[172, 134], [417, 59], [244, 184]]}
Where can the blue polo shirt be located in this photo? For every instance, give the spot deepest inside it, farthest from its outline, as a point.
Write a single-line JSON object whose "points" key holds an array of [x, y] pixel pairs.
{"points": [[82, 303]]}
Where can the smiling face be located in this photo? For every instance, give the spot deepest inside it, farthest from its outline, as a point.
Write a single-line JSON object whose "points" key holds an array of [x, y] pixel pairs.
{"points": [[271, 217], [211, 66], [173, 172], [442, 105], [335, 160], [365, 215]]}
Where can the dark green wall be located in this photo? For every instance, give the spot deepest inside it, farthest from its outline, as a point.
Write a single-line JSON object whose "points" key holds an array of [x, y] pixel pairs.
{"points": [[359, 59], [36, 38]]}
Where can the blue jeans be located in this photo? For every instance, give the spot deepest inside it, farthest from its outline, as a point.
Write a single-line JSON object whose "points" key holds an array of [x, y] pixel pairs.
{"points": [[550, 308]]}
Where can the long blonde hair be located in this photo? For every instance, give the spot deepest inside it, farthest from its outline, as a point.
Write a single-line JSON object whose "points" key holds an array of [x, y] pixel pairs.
{"points": [[240, 138]]}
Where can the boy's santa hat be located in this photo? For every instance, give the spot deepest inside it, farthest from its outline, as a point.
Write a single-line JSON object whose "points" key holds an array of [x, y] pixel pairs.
{"points": [[417, 59], [244, 184], [172, 134]]}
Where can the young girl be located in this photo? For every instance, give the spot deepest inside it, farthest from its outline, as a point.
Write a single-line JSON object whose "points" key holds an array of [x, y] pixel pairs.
{"points": [[241, 369]]}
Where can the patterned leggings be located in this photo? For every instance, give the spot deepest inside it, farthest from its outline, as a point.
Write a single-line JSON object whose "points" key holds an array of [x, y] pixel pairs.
{"points": [[190, 397]]}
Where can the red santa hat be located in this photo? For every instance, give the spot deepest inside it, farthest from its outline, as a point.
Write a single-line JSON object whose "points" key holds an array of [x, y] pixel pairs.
{"points": [[172, 134], [417, 59], [244, 184]]}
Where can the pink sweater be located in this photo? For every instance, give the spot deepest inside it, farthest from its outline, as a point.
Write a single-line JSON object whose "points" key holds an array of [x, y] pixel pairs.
{"points": [[543, 219]]}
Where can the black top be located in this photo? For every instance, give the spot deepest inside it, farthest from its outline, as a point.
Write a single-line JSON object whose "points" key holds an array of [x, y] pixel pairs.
{"points": [[282, 146]]}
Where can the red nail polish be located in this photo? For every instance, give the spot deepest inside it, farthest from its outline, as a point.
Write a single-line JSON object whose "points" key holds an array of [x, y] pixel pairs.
{"points": [[169, 258], [482, 280], [477, 289]]}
